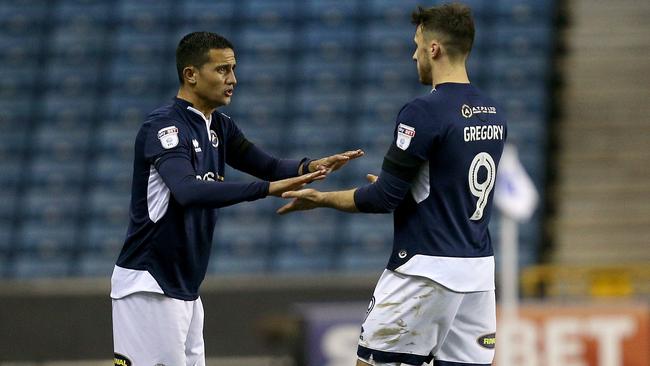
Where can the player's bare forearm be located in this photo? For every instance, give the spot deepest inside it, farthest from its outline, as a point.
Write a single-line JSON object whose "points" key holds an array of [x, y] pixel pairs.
{"points": [[308, 199], [339, 200]]}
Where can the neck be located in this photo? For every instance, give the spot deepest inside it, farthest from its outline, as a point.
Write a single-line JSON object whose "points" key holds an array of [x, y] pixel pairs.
{"points": [[198, 103], [450, 73]]}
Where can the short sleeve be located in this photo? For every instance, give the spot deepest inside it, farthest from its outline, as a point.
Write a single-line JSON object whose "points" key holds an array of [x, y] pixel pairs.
{"points": [[165, 138], [415, 130]]}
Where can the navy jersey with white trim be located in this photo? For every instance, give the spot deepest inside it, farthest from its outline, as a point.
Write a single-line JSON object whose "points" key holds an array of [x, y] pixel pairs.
{"points": [[446, 149], [178, 175]]}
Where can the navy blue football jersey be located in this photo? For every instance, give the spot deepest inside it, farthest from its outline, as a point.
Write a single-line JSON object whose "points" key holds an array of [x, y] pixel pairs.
{"points": [[441, 227], [168, 243]]}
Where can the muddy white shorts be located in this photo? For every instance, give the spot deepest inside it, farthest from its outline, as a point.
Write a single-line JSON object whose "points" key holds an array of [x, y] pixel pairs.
{"points": [[412, 320], [151, 329]]}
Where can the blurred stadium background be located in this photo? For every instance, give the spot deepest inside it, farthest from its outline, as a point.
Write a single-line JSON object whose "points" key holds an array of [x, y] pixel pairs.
{"points": [[317, 77]]}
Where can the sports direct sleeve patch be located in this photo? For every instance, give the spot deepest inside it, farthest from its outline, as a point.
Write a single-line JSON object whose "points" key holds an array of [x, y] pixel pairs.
{"points": [[404, 135], [168, 137]]}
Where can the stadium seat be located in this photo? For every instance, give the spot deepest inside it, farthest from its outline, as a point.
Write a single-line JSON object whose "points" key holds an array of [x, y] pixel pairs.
{"points": [[83, 15], [118, 138], [368, 244], [269, 12], [53, 206], [93, 264], [47, 239], [252, 73], [7, 203], [72, 80], [144, 15], [66, 114], [112, 172], [529, 40], [393, 11], [331, 12], [322, 105], [76, 47], [328, 39], [200, 14], [125, 110], [20, 17], [26, 265], [6, 230], [107, 205], [12, 171], [128, 78], [56, 174], [306, 242], [524, 11], [393, 42], [522, 104], [241, 244], [104, 238], [326, 74]]}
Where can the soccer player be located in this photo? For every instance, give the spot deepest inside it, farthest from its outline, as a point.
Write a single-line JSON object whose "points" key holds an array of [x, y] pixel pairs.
{"points": [[435, 300], [178, 185]]}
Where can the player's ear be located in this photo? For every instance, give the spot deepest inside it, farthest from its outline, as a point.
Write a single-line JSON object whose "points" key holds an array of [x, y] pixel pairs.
{"points": [[434, 49], [189, 75]]}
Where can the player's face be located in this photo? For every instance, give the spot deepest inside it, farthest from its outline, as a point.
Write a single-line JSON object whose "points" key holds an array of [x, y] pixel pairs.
{"points": [[215, 80], [421, 57]]}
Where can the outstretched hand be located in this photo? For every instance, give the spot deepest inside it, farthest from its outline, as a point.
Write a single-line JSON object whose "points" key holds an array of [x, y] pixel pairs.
{"points": [[277, 188], [305, 199], [335, 162]]}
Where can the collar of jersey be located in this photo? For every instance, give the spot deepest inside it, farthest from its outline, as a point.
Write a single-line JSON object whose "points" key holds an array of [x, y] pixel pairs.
{"points": [[190, 107]]}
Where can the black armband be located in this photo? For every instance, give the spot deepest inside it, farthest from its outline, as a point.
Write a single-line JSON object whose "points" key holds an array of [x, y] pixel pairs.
{"points": [[401, 164]]}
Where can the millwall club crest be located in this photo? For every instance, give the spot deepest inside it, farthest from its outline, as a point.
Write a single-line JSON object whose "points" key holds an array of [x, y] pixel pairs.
{"points": [[404, 135], [168, 137], [214, 139]]}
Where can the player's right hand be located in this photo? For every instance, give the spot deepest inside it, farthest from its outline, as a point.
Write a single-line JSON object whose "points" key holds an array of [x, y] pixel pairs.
{"points": [[292, 184]]}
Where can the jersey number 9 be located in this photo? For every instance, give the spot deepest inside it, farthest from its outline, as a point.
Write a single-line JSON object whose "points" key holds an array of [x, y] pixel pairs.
{"points": [[481, 190]]}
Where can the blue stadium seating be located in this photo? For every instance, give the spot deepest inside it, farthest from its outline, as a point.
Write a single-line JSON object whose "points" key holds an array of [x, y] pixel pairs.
{"points": [[26, 266], [48, 239], [269, 12], [241, 245], [103, 237], [109, 206], [368, 244], [306, 242], [5, 234], [92, 264], [76, 47], [315, 77], [331, 12], [7, 203]]}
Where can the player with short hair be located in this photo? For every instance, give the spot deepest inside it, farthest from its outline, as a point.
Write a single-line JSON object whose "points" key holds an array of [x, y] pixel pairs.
{"points": [[178, 185], [435, 300]]}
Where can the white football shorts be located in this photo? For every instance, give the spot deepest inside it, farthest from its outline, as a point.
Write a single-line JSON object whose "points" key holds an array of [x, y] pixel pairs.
{"points": [[412, 320], [151, 329]]}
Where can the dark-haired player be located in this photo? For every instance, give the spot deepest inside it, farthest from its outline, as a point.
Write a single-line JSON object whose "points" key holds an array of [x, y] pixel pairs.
{"points": [[436, 298], [178, 184]]}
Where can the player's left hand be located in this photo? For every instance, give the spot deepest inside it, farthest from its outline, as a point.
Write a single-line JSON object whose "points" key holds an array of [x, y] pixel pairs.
{"points": [[335, 162], [305, 199]]}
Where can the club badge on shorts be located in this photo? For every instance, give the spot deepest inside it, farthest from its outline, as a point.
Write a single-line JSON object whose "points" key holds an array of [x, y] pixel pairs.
{"points": [[404, 135], [168, 137]]}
